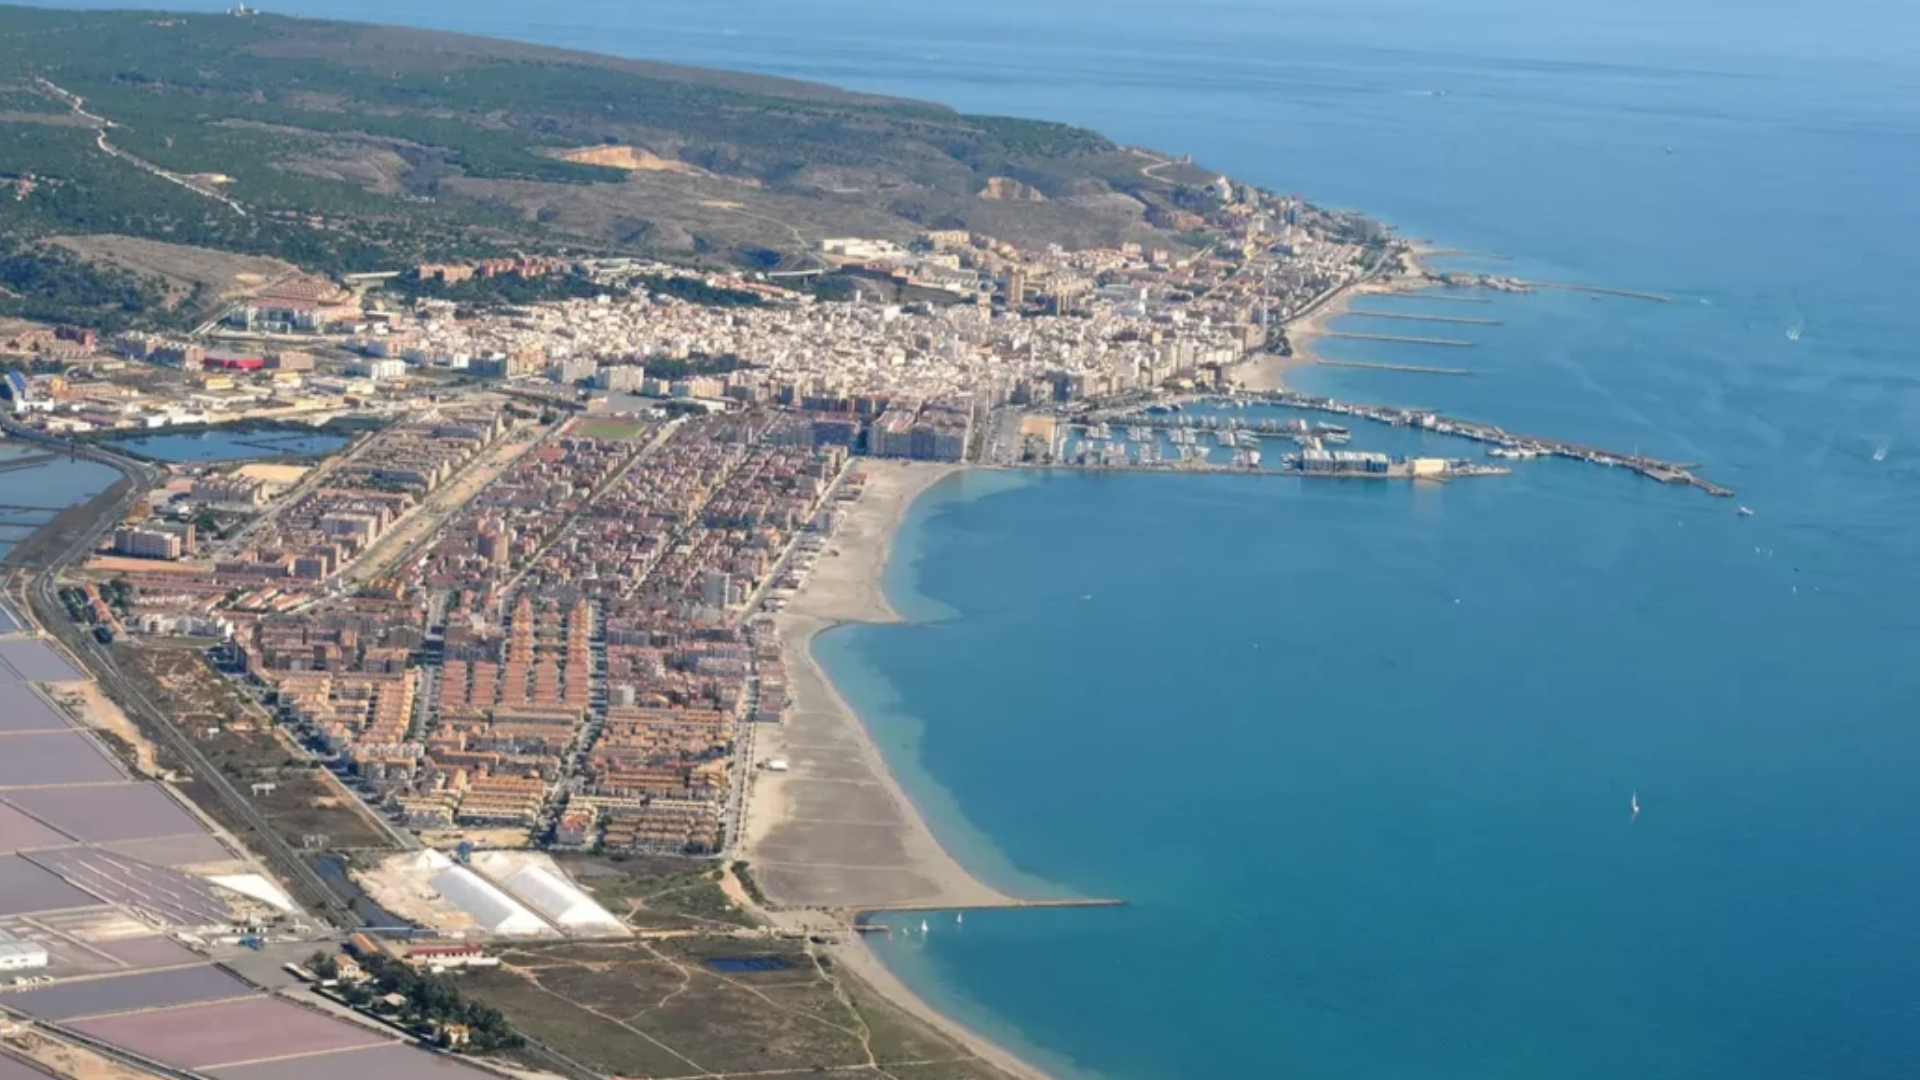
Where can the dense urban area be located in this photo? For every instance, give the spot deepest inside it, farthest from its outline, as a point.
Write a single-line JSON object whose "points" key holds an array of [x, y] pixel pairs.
{"points": [[525, 598], [433, 459], [466, 636]]}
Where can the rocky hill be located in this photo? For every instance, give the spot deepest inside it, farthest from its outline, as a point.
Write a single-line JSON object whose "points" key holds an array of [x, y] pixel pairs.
{"points": [[347, 147]]}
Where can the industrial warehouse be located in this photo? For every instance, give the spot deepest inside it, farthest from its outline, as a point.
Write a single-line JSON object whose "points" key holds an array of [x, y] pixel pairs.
{"points": [[508, 894]]}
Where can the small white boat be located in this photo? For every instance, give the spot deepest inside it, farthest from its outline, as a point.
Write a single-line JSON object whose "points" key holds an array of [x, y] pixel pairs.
{"points": [[959, 918], [924, 927], [1636, 806], [1744, 512]]}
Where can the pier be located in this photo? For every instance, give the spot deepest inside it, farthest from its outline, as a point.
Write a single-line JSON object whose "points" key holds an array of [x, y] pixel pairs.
{"points": [[1445, 294], [1416, 369], [1411, 316], [993, 905], [1599, 290], [861, 919], [1455, 343]]}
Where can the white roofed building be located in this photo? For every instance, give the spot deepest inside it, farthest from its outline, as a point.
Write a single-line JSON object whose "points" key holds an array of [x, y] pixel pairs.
{"points": [[534, 881], [493, 910]]}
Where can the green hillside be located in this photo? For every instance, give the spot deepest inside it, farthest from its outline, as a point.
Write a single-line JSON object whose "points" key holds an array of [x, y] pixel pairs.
{"points": [[347, 147]]}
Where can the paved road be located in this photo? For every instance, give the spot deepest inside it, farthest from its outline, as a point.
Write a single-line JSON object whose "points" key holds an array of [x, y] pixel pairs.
{"points": [[100, 126], [41, 595]]}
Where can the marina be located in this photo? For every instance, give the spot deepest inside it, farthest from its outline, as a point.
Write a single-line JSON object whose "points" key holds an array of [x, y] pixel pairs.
{"points": [[1501, 443], [1190, 444]]}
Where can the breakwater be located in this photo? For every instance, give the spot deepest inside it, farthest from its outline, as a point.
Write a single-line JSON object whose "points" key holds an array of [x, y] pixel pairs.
{"points": [[1417, 369], [1666, 472], [1446, 294], [1003, 905], [1410, 316], [1598, 290], [1401, 338]]}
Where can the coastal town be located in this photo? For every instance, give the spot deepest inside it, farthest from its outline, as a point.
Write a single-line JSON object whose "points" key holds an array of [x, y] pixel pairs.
{"points": [[1023, 541], [527, 601], [514, 563]]}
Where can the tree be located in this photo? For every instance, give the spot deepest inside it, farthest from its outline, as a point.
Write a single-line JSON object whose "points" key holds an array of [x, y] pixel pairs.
{"points": [[324, 965]]}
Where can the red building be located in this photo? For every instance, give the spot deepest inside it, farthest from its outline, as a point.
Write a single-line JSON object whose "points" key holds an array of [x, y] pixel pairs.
{"points": [[233, 363]]}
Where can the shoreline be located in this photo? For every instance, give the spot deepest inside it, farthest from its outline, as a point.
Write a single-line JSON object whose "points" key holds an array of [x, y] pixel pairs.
{"points": [[858, 958], [837, 830], [829, 747], [1269, 371]]}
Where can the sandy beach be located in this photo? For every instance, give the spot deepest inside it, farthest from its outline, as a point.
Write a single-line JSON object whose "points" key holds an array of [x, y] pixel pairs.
{"points": [[1268, 371], [836, 830], [836, 834]]}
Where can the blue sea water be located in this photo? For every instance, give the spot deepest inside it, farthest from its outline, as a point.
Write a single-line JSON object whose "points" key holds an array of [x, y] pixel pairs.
{"points": [[1359, 757]]}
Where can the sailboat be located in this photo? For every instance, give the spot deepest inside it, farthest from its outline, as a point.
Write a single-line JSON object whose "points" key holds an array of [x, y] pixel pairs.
{"points": [[1636, 807]]}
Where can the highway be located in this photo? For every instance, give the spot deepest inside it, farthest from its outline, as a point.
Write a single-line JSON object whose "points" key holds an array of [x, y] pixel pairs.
{"points": [[41, 584]]}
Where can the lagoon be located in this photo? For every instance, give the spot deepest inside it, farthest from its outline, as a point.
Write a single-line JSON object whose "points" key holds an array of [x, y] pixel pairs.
{"points": [[177, 448]]}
